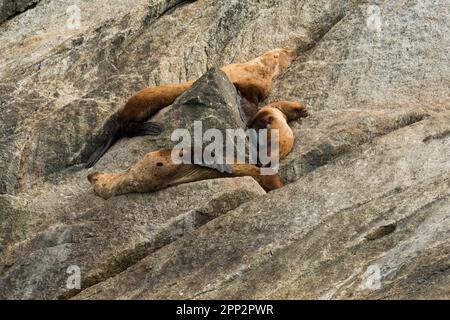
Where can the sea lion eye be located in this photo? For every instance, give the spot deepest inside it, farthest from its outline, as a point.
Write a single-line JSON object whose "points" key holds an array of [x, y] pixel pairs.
{"points": [[159, 164]]}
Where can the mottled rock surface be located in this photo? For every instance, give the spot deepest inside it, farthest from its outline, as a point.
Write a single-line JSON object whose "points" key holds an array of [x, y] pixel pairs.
{"points": [[366, 213], [104, 238], [312, 234], [11, 8]]}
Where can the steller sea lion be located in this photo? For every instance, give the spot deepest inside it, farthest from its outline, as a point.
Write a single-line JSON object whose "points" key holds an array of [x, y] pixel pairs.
{"points": [[156, 171], [252, 79], [276, 116], [131, 119]]}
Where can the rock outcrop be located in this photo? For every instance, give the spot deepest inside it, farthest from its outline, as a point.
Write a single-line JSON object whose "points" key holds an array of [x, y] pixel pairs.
{"points": [[11, 8], [366, 210]]}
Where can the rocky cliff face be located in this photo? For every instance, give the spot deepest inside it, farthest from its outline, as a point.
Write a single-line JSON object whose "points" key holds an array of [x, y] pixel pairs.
{"points": [[366, 213]]}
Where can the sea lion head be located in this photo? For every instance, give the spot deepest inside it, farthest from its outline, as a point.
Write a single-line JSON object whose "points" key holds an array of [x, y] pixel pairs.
{"points": [[292, 110], [285, 58], [101, 182], [278, 60], [93, 176], [154, 172]]}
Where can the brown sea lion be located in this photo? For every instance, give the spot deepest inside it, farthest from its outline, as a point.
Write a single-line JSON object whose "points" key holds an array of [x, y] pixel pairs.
{"points": [[252, 79], [276, 116], [156, 171], [131, 119]]}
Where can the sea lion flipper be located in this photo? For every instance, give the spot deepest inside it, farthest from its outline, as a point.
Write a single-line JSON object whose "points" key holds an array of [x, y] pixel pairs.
{"points": [[151, 128], [135, 129], [112, 138], [260, 122], [186, 173], [220, 167]]}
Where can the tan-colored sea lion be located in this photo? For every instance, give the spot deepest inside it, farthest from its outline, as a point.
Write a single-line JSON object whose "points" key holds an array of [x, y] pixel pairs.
{"points": [[156, 171], [252, 79], [131, 119], [276, 116]]}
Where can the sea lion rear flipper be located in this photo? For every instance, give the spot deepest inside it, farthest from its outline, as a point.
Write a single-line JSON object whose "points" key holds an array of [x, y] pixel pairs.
{"points": [[114, 136], [144, 128], [152, 128], [261, 121]]}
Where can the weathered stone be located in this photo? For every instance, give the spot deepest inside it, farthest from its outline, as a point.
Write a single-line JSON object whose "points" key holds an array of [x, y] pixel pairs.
{"points": [[327, 135], [103, 238], [308, 239], [10, 8], [365, 214], [14, 219]]}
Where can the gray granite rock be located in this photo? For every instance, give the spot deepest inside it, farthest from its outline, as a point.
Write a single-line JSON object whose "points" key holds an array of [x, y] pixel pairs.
{"points": [[322, 236], [103, 238], [365, 213], [11, 8]]}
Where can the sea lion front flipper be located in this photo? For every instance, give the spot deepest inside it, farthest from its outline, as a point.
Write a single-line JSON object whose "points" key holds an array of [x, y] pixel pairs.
{"points": [[185, 173], [293, 110], [220, 167], [206, 171], [261, 121]]}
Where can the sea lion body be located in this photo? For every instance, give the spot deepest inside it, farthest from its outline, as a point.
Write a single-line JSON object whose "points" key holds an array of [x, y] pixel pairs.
{"points": [[156, 171], [252, 79], [275, 116], [146, 102]]}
